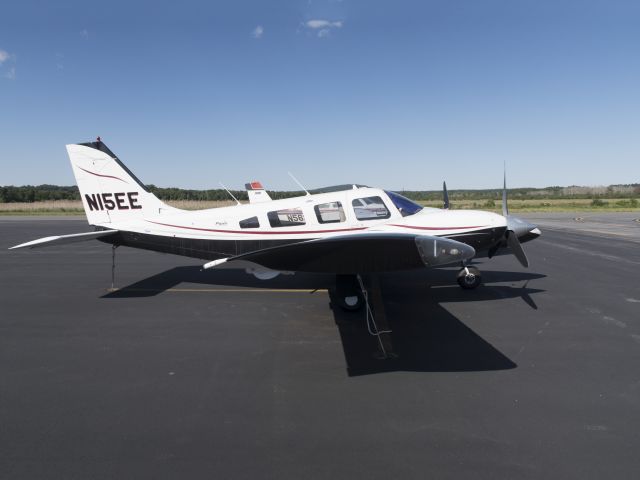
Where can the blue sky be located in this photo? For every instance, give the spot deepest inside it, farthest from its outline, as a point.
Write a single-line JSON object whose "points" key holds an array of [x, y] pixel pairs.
{"points": [[398, 94]]}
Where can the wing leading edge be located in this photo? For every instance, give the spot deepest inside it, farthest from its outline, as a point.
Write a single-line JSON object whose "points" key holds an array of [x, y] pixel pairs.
{"points": [[64, 239], [362, 253]]}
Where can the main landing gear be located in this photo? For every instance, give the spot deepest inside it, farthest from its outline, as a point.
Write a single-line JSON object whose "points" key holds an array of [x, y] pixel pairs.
{"points": [[113, 264], [351, 294], [348, 294], [469, 278]]}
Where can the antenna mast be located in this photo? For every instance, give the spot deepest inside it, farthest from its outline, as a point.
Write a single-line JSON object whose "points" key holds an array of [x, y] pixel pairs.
{"points": [[222, 185], [299, 184]]}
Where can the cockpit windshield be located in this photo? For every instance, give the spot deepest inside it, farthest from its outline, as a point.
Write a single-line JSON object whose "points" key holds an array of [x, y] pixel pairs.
{"points": [[403, 204]]}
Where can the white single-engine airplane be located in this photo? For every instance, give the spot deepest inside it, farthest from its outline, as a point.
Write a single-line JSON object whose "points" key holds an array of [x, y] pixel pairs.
{"points": [[350, 231]]}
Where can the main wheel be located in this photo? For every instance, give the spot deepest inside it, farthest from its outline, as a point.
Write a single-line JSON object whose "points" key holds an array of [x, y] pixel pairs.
{"points": [[469, 278], [347, 293], [350, 303]]}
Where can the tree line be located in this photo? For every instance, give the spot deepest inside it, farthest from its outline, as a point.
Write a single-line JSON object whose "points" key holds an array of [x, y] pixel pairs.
{"points": [[38, 193]]}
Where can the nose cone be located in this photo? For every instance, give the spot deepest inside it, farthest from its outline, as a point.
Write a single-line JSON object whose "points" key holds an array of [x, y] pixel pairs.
{"points": [[524, 230]]}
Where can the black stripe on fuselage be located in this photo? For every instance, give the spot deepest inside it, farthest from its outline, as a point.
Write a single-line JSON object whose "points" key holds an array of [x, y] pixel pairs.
{"points": [[193, 247], [214, 249]]}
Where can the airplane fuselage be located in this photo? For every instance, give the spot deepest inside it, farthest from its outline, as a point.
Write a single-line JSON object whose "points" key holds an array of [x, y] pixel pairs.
{"points": [[229, 231]]}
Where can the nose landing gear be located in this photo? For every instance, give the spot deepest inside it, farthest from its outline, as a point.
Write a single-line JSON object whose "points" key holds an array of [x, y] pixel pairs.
{"points": [[469, 278]]}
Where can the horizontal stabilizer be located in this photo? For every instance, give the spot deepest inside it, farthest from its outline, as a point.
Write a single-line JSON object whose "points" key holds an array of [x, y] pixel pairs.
{"points": [[64, 239]]}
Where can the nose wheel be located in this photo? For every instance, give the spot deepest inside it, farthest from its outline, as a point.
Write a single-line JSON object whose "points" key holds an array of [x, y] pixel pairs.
{"points": [[469, 278]]}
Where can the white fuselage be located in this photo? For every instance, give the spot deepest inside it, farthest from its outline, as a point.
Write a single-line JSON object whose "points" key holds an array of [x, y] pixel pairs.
{"points": [[308, 217]]}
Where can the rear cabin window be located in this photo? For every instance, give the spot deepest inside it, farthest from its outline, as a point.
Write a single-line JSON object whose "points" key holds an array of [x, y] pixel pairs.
{"points": [[370, 208], [286, 218], [250, 223], [331, 212]]}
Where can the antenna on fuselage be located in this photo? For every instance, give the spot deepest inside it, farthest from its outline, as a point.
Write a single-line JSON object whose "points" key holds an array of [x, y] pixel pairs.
{"points": [[299, 184], [222, 185]]}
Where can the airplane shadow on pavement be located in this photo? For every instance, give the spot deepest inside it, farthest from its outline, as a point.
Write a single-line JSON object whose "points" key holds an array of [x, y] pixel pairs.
{"points": [[425, 335], [159, 283]]}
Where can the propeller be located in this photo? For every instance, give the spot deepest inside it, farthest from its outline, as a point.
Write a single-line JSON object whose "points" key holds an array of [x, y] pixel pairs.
{"points": [[505, 207], [445, 194], [516, 248], [516, 228]]}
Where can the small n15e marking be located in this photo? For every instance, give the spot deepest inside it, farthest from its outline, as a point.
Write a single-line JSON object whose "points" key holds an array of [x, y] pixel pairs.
{"points": [[113, 201]]}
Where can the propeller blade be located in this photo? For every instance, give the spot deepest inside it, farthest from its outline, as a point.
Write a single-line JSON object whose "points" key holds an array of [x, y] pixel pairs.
{"points": [[505, 208], [493, 250], [516, 248], [445, 195]]}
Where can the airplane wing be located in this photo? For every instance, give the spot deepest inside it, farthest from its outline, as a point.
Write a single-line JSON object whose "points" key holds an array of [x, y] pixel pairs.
{"points": [[359, 253], [64, 239]]}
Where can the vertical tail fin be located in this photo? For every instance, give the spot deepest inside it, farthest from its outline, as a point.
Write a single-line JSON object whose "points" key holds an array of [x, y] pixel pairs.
{"points": [[257, 193], [110, 192]]}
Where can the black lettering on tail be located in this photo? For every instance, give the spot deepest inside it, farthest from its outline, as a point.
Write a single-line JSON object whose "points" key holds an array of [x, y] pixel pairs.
{"points": [[92, 202]]}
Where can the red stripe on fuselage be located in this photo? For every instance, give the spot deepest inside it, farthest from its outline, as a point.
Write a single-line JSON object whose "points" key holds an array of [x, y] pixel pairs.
{"points": [[290, 232], [437, 228]]}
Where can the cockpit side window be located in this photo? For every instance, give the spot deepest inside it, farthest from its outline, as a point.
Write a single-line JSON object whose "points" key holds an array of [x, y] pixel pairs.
{"points": [[370, 208], [405, 206], [250, 223], [331, 212], [286, 218]]}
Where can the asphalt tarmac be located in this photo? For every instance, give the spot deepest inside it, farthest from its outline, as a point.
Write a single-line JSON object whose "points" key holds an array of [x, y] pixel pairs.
{"points": [[189, 374]]}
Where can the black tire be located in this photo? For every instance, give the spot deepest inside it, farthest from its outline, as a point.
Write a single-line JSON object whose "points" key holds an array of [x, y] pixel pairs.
{"points": [[347, 294], [351, 303], [470, 280]]}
